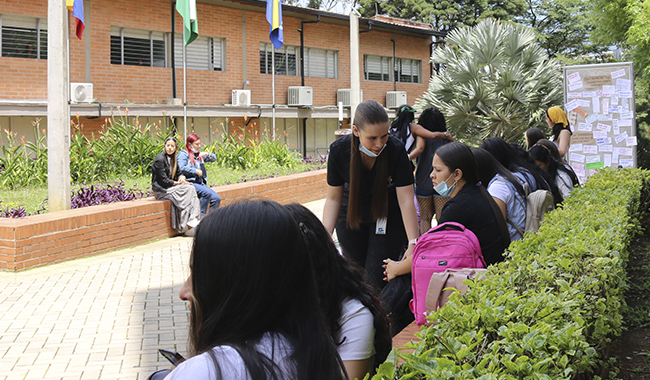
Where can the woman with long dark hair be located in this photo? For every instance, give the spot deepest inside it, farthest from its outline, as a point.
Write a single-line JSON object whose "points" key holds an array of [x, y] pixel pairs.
{"points": [[370, 193], [506, 190], [192, 161], [526, 172], [255, 311], [355, 318], [560, 129], [533, 135], [559, 177], [168, 183], [407, 131], [430, 203]]}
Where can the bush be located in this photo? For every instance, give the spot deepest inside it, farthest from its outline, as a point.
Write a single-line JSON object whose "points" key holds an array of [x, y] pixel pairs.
{"points": [[551, 309]]}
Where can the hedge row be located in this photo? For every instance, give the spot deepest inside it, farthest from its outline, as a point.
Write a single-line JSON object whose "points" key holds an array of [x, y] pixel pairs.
{"points": [[551, 309]]}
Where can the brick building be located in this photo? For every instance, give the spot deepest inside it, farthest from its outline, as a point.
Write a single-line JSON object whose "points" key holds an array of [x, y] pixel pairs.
{"points": [[133, 60]]}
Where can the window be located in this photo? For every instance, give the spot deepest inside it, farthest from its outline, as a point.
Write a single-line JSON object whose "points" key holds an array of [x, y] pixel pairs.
{"points": [[405, 70], [23, 37], [137, 47], [285, 60], [376, 68], [204, 53], [319, 63]]}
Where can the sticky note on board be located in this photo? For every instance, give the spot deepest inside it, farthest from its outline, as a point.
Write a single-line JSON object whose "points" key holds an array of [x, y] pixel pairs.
{"points": [[625, 123], [573, 78], [585, 127], [599, 134], [614, 100], [592, 159], [603, 117], [595, 165], [608, 90], [621, 137], [630, 141], [604, 140], [605, 106], [603, 127], [588, 94], [573, 117], [607, 160], [623, 84], [577, 157], [594, 117], [624, 151], [627, 162], [580, 112], [570, 106], [606, 148], [578, 168], [591, 149], [574, 95], [575, 148], [618, 73], [575, 86], [625, 94], [583, 103], [626, 115]]}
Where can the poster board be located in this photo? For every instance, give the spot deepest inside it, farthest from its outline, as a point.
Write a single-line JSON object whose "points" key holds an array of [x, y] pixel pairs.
{"points": [[600, 104]]}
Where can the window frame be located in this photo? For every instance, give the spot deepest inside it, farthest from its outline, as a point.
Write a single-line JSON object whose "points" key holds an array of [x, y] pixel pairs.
{"points": [[331, 71], [40, 29], [393, 71], [161, 38]]}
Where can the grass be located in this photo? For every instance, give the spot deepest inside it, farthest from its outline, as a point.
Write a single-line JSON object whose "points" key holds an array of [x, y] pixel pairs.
{"points": [[32, 197]]}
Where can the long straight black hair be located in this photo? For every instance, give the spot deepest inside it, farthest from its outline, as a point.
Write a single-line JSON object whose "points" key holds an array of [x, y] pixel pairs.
{"points": [[251, 275], [488, 167], [339, 278], [509, 158], [172, 159], [367, 113]]}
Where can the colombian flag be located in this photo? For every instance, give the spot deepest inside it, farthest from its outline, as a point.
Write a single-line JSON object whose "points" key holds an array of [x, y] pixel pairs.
{"points": [[274, 17], [77, 8]]}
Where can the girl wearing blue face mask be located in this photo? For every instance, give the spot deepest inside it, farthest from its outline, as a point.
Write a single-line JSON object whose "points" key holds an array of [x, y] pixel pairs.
{"points": [[370, 193]]}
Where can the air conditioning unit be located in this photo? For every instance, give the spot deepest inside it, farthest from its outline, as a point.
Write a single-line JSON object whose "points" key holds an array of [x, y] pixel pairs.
{"points": [[345, 96], [395, 99], [241, 98], [81, 92], [300, 96]]}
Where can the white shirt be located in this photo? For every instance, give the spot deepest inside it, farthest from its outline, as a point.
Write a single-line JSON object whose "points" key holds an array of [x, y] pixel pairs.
{"points": [[232, 366], [358, 330]]}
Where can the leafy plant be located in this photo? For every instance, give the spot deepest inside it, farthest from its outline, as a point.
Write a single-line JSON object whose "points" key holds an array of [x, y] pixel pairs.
{"points": [[105, 193], [551, 309], [495, 81]]}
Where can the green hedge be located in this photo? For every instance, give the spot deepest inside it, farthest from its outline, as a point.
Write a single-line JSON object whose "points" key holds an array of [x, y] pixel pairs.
{"points": [[551, 309]]}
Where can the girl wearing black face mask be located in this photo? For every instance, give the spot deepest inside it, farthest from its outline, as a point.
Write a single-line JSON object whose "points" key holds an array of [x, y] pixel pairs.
{"points": [[370, 193]]}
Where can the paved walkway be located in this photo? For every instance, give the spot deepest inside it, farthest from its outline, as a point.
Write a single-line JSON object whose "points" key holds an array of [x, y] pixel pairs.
{"points": [[102, 317]]}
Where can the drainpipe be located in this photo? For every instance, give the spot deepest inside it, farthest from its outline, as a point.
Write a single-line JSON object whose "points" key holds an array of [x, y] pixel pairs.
{"points": [[173, 60], [394, 63], [302, 78]]}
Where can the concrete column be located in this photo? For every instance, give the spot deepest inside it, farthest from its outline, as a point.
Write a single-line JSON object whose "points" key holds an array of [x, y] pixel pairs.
{"points": [[355, 79], [58, 110]]}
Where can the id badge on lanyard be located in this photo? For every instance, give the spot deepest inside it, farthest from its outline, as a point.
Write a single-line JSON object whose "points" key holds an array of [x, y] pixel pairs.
{"points": [[380, 228]]}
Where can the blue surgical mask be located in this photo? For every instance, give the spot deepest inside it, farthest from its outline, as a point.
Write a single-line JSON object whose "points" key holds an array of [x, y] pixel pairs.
{"points": [[368, 152], [195, 151], [443, 189]]}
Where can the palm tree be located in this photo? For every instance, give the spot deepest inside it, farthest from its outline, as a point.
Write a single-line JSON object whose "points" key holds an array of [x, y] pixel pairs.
{"points": [[495, 81]]}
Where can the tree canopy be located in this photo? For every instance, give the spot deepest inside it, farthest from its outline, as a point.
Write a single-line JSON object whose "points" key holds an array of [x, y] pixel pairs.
{"points": [[495, 81], [445, 15]]}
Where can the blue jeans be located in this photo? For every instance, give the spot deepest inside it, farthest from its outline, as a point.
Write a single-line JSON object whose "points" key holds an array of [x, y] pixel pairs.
{"points": [[207, 196]]}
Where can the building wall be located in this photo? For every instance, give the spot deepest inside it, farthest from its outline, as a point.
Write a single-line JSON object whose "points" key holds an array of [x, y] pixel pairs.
{"points": [[27, 78]]}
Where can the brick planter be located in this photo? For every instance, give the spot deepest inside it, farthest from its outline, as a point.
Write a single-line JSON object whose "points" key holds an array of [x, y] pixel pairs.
{"points": [[58, 236]]}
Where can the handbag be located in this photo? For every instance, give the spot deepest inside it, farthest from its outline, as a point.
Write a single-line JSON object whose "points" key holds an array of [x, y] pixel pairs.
{"points": [[443, 284]]}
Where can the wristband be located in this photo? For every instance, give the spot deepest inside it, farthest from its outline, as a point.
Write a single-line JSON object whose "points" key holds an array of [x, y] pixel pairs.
{"points": [[413, 241]]}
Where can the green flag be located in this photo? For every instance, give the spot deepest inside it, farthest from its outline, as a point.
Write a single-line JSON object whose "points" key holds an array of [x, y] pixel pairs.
{"points": [[187, 9]]}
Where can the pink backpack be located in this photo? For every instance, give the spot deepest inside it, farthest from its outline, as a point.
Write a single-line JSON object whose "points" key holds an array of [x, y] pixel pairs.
{"points": [[449, 245]]}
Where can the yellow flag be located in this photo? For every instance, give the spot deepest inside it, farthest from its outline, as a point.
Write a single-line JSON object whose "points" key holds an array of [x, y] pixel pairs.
{"points": [[69, 4]]}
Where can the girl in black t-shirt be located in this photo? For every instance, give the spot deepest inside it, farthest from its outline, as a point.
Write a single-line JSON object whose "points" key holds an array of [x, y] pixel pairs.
{"points": [[370, 193]]}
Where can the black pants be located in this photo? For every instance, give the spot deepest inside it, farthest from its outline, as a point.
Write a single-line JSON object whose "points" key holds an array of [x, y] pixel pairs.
{"points": [[369, 249]]}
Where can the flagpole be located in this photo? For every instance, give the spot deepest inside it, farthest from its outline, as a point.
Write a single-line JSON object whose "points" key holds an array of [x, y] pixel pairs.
{"points": [[184, 89], [273, 89]]}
